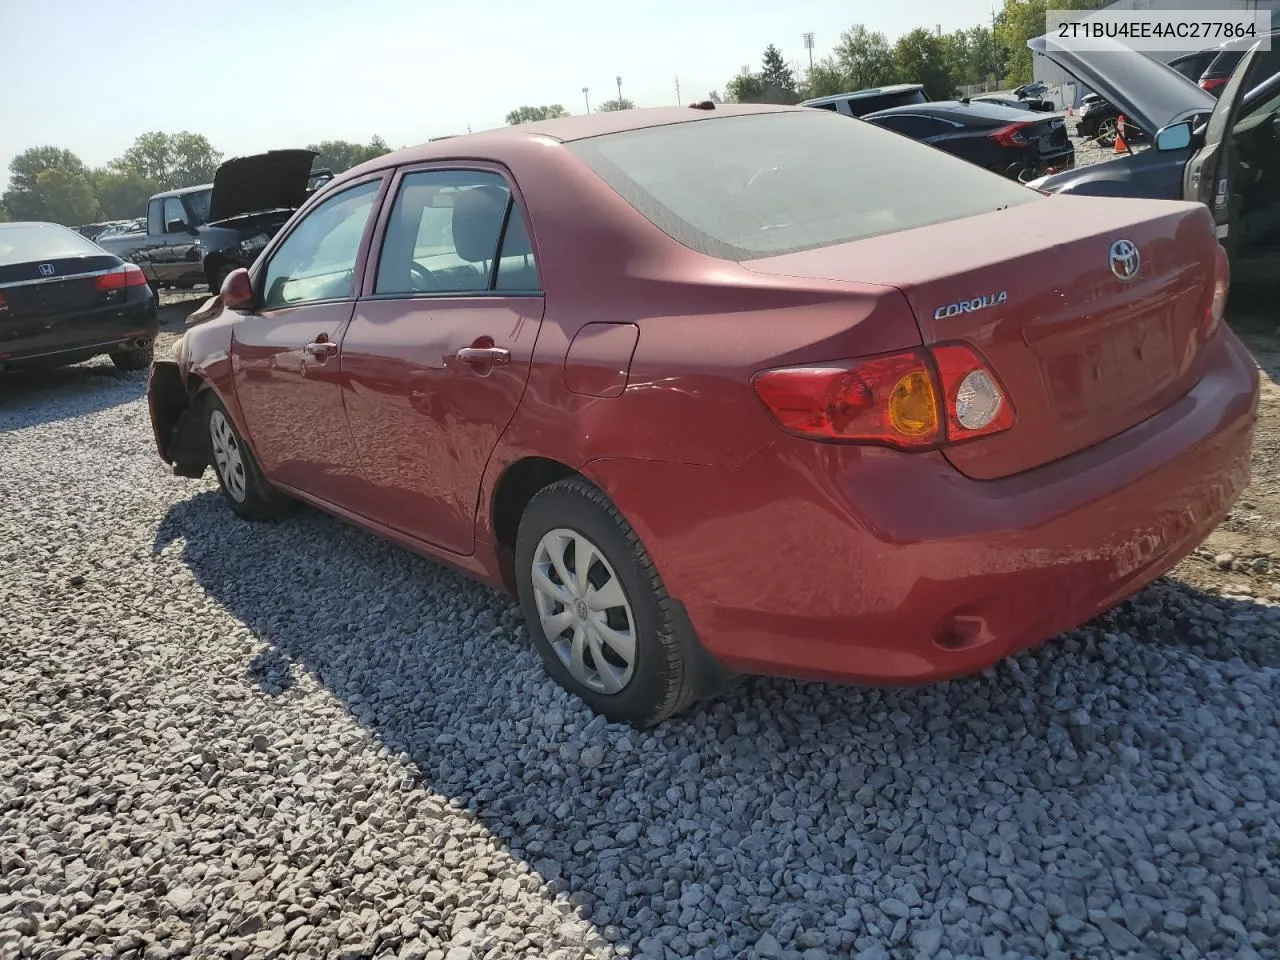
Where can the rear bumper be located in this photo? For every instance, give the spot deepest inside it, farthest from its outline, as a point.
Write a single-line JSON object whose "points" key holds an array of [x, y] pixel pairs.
{"points": [[175, 420], [869, 565], [86, 332]]}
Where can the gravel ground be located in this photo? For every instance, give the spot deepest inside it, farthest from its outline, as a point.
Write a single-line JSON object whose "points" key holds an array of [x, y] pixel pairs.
{"points": [[229, 740]]}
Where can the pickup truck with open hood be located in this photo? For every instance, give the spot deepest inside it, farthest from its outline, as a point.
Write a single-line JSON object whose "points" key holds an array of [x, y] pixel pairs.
{"points": [[200, 234]]}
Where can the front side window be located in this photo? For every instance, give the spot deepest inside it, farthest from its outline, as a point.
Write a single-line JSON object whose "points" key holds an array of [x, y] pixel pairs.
{"points": [[768, 184], [445, 230], [317, 261]]}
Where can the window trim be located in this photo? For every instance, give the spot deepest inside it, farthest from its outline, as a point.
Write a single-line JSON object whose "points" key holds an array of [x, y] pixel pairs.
{"points": [[384, 217], [259, 275]]}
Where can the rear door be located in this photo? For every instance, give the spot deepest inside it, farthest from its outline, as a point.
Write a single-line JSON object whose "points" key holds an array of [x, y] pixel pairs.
{"points": [[1209, 174], [438, 352]]}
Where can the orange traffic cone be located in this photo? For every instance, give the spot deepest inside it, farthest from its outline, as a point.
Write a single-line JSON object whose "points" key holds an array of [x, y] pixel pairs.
{"points": [[1121, 146]]}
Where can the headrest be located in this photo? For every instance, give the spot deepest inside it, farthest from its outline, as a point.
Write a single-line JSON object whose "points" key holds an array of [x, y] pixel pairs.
{"points": [[477, 219]]}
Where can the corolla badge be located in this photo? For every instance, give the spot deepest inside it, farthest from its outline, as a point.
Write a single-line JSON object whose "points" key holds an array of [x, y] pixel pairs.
{"points": [[970, 306], [1126, 261]]}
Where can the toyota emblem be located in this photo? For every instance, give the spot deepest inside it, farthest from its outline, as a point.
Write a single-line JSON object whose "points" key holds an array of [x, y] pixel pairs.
{"points": [[1126, 262]]}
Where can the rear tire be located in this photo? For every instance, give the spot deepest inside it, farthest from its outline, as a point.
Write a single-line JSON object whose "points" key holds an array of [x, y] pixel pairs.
{"points": [[246, 490], [134, 359], [620, 645]]}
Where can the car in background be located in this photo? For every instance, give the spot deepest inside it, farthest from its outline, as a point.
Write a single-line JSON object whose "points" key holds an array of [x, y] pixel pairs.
{"points": [[121, 227], [786, 393], [1014, 143], [1225, 152], [1013, 103], [1099, 120], [64, 299], [1193, 65], [1229, 54], [861, 102], [200, 234]]}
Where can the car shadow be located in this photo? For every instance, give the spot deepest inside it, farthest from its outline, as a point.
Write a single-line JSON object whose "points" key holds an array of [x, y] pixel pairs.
{"points": [[392, 636], [31, 398]]}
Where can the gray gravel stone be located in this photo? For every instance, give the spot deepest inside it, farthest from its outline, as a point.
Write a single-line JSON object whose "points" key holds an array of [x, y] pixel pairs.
{"points": [[297, 740]]}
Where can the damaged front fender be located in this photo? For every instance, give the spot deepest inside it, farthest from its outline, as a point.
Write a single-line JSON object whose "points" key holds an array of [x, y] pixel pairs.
{"points": [[175, 407]]}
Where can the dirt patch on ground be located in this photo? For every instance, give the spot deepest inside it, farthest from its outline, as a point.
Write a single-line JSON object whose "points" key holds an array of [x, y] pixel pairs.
{"points": [[1243, 555]]}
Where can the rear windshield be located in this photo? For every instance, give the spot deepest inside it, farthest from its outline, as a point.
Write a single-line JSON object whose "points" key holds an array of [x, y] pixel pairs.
{"points": [[24, 242], [860, 106], [764, 185]]}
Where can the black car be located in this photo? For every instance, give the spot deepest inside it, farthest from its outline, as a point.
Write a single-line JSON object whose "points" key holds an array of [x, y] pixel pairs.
{"points": [[64, 299], [1016, 143], [1013, 103], [1228, 55], [1099, 120], [861, 102], [1223, 152], [200, 234]]}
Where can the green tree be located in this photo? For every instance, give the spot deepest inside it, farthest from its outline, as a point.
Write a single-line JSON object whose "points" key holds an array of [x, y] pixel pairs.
{"points": [[533, 114], [825, 79], [714, 97], [745, 88], [169, 160], [122, 194], [865, 58], [342, 155], [24, 199], [621, 103], [918, 58], [777, 79], [66, 196], [1020, 20]]}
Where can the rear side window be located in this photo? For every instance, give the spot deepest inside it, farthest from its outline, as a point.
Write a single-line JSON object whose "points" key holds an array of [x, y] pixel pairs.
{"points": [[914, 125], [763, 185]]}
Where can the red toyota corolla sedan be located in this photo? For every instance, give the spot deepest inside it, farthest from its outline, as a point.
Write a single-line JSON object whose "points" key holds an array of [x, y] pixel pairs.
{"points": [[722, 390]]}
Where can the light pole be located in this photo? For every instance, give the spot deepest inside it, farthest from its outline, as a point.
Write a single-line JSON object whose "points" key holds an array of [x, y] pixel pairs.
{"points": [[586, 99], [808, 45], [619, 88]]}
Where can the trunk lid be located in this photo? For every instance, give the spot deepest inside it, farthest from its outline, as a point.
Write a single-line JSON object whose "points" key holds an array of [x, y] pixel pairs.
{"points": [[1082, 354], [1050, 134], [32, 294]]}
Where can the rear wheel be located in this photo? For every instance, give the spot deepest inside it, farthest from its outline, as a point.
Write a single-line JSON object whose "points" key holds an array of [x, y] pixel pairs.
{"points": [[134, 359], [1106, 135], [241, 480], [596, 609]]}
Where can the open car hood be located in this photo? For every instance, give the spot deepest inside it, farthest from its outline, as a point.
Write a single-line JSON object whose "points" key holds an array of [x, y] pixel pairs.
{"points": [[1150, 93], [274, 180]]}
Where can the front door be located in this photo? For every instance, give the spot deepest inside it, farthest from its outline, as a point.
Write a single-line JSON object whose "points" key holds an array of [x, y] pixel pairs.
{"points": [[1211, 172], [285, 351], [437, 355]]}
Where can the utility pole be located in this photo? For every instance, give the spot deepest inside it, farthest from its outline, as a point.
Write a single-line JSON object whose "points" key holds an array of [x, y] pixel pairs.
{"points": [[808, 45], [586, 99], [678, 100], [619, 88]]}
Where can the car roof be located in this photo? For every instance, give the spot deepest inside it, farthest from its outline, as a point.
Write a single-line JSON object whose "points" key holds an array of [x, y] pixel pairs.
{"points": [[494, 143], [978, 108], [890, 90]]}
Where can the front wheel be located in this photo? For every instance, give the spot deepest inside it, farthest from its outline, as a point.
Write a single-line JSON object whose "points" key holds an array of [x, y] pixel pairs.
{"points": [[1106, 135], [246, 489], [596, 609]]}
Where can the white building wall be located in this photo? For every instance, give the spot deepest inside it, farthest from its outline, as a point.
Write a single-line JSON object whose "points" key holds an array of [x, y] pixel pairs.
{"points": [[1046, 71]]}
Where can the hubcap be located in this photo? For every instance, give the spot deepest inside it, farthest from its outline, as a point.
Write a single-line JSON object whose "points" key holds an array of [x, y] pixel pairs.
{"points": [[227, 457], [584, 611]]}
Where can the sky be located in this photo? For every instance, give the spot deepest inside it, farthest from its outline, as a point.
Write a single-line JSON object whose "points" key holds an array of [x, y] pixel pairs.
{"points": [[254, 75]]}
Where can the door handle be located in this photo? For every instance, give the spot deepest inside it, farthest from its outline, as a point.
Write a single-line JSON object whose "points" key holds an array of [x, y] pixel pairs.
{"points": [[484, 355], [322, 348]]}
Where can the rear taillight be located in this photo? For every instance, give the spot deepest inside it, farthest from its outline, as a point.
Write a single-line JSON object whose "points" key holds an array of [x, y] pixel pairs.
{"points": [[1218, 303], [914, 400], [975, 401], [130, 275], [1011, 136], [1213, 83]]}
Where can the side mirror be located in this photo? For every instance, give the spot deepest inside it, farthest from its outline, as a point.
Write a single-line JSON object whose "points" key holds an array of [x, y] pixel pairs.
{"points": [[237, 290], [1176, 136], [176, 226]]}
